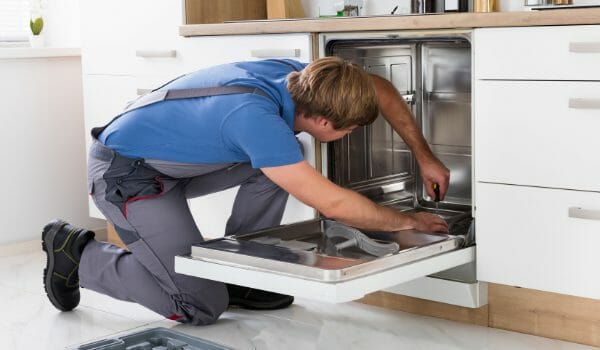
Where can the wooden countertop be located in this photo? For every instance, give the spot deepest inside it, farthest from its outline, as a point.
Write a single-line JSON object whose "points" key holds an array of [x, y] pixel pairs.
{"points": [[434, 21]]}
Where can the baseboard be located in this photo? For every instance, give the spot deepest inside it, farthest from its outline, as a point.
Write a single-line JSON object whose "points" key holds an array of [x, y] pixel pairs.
{"points": [[478, 316], [522, 310], [545, 314]]}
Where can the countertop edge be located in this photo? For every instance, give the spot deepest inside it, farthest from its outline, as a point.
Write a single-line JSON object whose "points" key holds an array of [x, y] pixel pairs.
{"points": [[42, 52], [375, 23]]}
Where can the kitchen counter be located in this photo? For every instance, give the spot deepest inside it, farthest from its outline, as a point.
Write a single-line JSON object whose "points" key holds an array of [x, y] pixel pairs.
{"points": [[392, 22]]}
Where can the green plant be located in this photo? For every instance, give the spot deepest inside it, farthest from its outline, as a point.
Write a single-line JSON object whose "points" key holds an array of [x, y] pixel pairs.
{"points": [[36, 26]]}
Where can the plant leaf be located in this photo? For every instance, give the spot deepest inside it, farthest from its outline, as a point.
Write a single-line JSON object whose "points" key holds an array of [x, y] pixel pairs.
{"points": [[36, 26]]}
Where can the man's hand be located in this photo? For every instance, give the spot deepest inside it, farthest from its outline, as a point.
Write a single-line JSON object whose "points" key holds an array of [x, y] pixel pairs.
{"points": [[433, 171], [429, 223]]}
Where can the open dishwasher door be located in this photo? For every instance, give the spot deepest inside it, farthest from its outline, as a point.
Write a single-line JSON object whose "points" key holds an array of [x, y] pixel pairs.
{"points": [[304, 260]]}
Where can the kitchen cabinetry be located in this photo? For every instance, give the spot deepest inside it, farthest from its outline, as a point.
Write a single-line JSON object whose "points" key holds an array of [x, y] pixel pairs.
{"points": [[536, 169], [135, 52]]}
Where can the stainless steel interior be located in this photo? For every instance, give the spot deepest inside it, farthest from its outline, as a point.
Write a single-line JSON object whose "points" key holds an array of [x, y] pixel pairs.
{"points": [[434, 75]]}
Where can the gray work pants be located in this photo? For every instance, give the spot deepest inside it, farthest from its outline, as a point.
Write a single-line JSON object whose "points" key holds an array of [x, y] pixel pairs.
{"points": [[147, 203]]}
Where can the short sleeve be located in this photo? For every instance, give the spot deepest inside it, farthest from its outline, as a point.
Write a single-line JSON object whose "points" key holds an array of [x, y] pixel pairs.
{"points": [[262, 135]]}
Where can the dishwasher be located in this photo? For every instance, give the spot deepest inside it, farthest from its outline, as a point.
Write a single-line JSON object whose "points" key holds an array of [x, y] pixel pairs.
{"points": [[325, 260]]}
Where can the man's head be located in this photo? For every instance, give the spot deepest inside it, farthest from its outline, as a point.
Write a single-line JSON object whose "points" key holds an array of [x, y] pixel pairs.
{"points": [[335, 93]]}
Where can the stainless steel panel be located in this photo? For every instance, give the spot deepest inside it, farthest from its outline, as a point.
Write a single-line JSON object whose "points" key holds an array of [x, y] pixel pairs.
{"points": [[319, 264], [446, 69], [376, 154]]}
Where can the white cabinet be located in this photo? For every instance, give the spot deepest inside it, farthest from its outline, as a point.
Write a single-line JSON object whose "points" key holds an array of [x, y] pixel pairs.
{"points": [[107, 36], [535, 133], [536, 116], [157, 64], [538, 53], [539, 238], [113, 31]]}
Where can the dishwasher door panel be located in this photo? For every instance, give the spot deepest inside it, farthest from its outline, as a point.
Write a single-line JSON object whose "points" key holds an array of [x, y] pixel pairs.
{"points": [[297, 260]]}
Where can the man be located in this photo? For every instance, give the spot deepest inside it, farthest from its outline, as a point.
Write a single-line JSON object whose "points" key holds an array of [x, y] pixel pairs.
{"points": [[188, 139]]}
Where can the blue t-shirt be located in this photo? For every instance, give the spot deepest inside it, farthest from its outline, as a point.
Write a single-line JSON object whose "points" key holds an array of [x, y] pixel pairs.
{"points": [[216, 129]]}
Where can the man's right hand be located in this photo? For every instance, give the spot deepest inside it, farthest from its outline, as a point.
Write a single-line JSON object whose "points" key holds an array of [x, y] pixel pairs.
{"points": [[427, 222]]}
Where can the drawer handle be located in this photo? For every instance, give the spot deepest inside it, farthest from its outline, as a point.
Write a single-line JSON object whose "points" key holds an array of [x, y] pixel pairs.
{"points": [[584, 103], [267, 53], [143, 91], [155, 53], [584, 47], [580, 213]]}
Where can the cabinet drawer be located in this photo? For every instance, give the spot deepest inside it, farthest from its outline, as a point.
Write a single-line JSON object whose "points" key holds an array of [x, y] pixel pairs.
{"points": [[538, 238], [107, 36], [200, 52], [553, 53], [538, 133]]}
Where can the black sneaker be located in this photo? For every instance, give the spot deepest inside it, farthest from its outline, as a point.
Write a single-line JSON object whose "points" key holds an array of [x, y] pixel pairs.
{"points": [[256, 299], [61, 279]]}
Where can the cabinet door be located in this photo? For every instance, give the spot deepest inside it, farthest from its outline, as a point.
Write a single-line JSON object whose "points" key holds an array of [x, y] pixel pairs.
{"points": [[108, 36], [533, 53], [118, 37], [539, 238], [162, 60], [104, 96], [538, 133], [157, 41]]}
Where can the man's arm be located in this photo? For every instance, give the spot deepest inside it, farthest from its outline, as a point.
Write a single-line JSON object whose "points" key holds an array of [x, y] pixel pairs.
{"points": [[396, 112], [305, 183]]}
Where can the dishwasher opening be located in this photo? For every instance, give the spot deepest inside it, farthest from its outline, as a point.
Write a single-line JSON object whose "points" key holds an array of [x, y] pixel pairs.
{"points": [[433, 74]]}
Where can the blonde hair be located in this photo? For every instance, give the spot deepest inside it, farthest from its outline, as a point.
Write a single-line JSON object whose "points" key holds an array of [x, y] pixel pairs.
{"points": [[336, 89]]}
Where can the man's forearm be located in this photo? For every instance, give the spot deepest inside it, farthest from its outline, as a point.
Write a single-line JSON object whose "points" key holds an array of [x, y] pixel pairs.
{"points": [[395, 110], [356, 210]]}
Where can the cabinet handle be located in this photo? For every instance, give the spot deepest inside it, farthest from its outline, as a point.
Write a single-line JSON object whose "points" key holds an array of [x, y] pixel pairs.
{"points": [[275, 53], [155, 53], [584, 103], [584, 47], [580, 213], [143, 91]]}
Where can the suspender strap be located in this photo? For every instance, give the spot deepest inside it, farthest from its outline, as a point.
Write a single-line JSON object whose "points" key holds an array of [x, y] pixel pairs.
{"points": [[179, 94]]}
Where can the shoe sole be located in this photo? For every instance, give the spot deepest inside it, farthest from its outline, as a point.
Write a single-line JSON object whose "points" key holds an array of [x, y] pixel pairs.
{"points": [[48, 235], [264, 305]]}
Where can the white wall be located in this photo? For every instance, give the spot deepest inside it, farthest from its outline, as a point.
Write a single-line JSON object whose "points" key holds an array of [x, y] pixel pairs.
{"points": [[42, 151]]}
